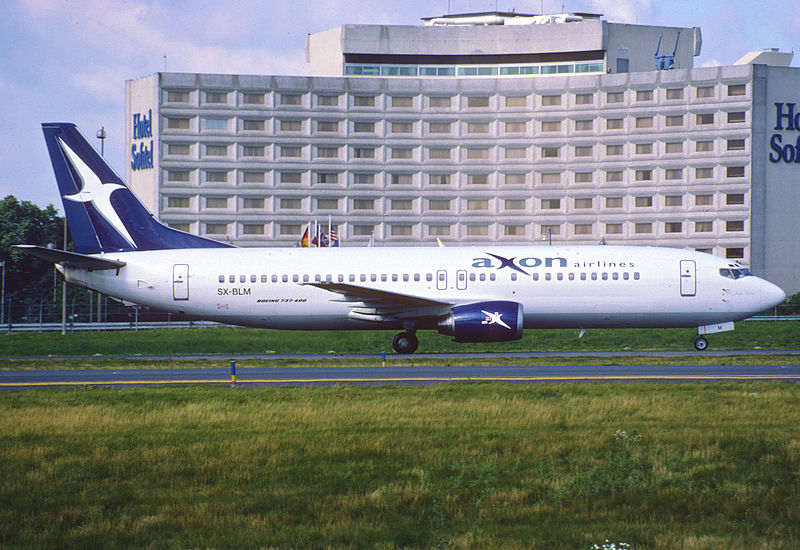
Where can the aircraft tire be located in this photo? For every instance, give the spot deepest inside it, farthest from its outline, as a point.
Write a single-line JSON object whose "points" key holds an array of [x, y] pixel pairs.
{"points": [[405, 343], [700, 343]]}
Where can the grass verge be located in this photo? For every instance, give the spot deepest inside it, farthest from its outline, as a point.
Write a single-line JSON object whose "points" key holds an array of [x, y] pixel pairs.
{"points": [[457, 466]]}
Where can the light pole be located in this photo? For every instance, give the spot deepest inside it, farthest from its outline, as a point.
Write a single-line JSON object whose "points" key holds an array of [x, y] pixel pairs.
{"points": [[101, 135], [3, 300]]}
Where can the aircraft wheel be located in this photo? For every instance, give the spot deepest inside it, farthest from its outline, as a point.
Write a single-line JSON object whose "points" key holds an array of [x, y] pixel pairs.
{"points": [[405, 342], [700, 343]]}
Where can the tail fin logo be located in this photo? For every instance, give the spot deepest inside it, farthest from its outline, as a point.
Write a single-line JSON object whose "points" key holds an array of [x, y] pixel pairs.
{"points": [[96, 192]]}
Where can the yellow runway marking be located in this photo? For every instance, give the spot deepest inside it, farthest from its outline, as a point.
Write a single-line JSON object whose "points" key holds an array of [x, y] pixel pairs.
{"points": [[414, 379]]}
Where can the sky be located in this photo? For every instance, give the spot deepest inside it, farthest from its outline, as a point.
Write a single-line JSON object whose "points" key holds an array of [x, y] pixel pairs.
{"points": [[68, 60]]}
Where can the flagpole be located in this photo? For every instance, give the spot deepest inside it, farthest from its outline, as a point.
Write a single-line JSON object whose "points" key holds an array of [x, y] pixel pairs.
{"points": [[330, 234]]}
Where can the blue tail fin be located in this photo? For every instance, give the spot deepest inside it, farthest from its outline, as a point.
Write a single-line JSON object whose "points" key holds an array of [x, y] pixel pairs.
{"points": [[102, 213]]}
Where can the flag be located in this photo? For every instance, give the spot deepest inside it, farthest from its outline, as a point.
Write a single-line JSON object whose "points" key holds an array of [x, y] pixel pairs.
{"points": [[304, 240], [334, 240]]}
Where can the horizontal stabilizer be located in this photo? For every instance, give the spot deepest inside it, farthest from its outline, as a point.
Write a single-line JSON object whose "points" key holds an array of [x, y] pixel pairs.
{"points": [[70, 259]]}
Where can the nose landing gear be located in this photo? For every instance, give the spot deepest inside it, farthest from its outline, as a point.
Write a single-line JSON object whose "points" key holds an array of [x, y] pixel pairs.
{"points": [[700, 343]]}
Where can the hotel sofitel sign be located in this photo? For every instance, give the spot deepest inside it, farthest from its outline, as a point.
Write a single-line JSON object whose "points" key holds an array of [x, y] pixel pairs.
{"points": [[142, 156], [785, 113]]}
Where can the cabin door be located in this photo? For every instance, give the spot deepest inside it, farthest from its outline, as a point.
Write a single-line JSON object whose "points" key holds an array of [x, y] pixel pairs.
{"points": [[180, 282], [688, 278], [461, 279]]}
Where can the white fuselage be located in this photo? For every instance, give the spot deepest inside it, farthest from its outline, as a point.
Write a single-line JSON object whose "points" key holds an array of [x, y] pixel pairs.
{"points": [[558, 286]]}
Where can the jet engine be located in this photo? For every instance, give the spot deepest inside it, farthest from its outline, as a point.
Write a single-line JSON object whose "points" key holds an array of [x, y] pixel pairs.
{"points": [[495, 321]]}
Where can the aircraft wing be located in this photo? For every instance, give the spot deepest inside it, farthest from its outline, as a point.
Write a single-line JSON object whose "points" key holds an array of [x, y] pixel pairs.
{"points": [[371, 304], [70, 259]]}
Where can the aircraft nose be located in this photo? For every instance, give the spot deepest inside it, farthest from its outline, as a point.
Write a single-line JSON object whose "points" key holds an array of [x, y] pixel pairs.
{"points": [[771, 295]]}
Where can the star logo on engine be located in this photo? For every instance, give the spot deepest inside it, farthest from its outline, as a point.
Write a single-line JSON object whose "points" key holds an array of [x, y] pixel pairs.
{"points": [[494, 319]]}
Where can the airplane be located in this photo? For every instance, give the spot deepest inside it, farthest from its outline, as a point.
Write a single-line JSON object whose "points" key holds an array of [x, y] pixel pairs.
{"points": [[481, 293]]}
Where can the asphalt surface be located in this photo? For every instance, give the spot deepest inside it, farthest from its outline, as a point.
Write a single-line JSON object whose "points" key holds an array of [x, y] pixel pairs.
{"points": [[10, 380]]}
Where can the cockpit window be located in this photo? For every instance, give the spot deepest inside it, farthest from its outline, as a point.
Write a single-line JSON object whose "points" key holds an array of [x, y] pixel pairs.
{"points": [[735, 272]]}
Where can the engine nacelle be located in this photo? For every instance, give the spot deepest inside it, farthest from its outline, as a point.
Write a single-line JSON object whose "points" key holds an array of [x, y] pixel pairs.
{"points": [[496, 321]]}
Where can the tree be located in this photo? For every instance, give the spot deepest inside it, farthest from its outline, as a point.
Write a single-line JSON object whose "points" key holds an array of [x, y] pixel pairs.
{"points": [[28, 279]]}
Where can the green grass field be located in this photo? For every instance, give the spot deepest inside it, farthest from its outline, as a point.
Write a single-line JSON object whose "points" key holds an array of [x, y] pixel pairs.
{"points": [[750, 335], [711, 466]]}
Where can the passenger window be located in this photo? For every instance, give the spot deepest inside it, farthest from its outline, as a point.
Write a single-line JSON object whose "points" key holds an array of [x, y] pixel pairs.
{"points": [[285, 278], [625, 276], [571, 277], [428, 277], [492, 277], [416, 277], [274, 278], [263, 278], [232, 278], [242, 278], [295, 278], [317, 278], [605, 276], [340, 278], [583, 276], [513, 276], [305, 278], [546, 276], [363, 278], [373, 277], [560, 276], [535, 276], [472, 277], [394, 277], [383, 277], [252, 278], [222, 278], [352, 278], [615, 275], [594, 276], [329, 278], [636, 275], [405, 277], [482, 276]]}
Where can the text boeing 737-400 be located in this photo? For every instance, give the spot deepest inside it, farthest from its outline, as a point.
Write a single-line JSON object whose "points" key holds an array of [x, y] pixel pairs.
{"points": [[475, 294]]}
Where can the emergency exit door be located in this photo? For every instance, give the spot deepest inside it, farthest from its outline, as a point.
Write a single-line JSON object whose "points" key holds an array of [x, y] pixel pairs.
{"points": [[688, 278], [180, 282]]}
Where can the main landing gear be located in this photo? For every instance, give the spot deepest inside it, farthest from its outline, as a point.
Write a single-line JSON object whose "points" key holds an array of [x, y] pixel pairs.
{"points": [[405, 342], [700, 343]]}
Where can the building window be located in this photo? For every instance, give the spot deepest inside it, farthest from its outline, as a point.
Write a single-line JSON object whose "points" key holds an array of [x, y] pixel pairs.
{"points": [[736, 89], [477, 127], [514, 204], [673, 173], [613, 229], [582, 229], [584, 151], [736, 117], [641, 228], [551, 100], [401, 204], [178, 149], [477, 230], [217, 202], [733, 145], [644, 122], [253, 98], [363, 152], [439, 102], [290, 229], [583, 203], [327, 177], [477, 101], [253, 229], [703, 200], [328, 125], [704, 91], [675, 120], [705, 118], [185, 227], [477, 204], [551, 178], [251, 203], [401, 179], [703, 146], [551, 152], [439, 127], [675, 93], [515, 152], [644, 202], [513, 230], [613, 202], [439, 230], [516, 101], [178, 97], [177, 123], [703, 227], [514, 179], [366, 179], [551, 126], [402, 153], [400, 231], [613, 124], [178, 175], [327, 204], [253, 125], [584, 99], [291, 177], [734, 171], [644, 148], [734, 253], [253, 151], [402, 101], [439, 154], [291, 125], [515, 127], [216, 176], [614, 176], [734, 225], [475, 153], [644, 175], [178, 202], [438, 204], [328, 152], [477, 179], [734, 198], [402, 127], [673, 147], [328, 100], [364, 127], [291, 151], [216, 229], [703, 173], [363, 230], [644, 95], [291, 99], [615, 97], [216, 97], [584, 125], [673, 227], [216, 150], [613, 150], [551, 204], [550, 230], [583, 177]]}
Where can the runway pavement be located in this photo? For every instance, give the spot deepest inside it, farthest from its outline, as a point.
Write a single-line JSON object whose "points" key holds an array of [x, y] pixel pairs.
{"points": [[10, 380]]}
